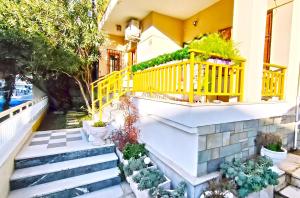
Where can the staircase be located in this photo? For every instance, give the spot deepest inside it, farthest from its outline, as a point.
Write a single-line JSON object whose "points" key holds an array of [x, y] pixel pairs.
{"points": [[65, 174], [289, 180]]}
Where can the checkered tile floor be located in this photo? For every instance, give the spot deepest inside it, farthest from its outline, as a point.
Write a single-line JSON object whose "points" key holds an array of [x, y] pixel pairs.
{"points": [[55, 139]]}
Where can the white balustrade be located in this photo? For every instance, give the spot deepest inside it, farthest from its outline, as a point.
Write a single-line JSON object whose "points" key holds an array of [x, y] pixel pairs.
{"points": [[14, 120]]}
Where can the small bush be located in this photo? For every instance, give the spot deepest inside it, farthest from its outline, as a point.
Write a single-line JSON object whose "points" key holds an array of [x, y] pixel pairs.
{"points": [[149, 179], [250, 176], [178, 192], [270, 141], [99, 124], [83, 118], [134, 165], [134, 151]]}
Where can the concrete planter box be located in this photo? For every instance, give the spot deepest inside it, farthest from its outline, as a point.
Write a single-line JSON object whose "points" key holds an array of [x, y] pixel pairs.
{"points": [[145, 193], [95, 134], [264, 193], [276, 157]]}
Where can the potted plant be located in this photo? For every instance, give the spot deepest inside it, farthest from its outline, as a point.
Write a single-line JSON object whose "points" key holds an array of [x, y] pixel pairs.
{"points": [[178, 192], [253, 178], [218, 189], [133, 166], [96, 131], [147, 180], [271, 147]]}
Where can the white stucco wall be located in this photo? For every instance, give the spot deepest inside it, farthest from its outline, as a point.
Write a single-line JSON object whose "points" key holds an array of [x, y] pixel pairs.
{"points": [[281, 31]]}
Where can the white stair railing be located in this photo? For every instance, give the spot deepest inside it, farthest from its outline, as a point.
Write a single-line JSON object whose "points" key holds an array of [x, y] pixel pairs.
{"points": [[14, 120]]}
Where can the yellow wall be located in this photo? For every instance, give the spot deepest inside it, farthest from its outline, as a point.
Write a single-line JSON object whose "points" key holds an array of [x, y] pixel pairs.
{"points": [[212, 19]]}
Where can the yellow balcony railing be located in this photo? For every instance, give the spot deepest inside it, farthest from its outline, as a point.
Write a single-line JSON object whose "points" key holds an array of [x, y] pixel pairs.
{"points": [[273, 80], [193, 78], [108, 88]]}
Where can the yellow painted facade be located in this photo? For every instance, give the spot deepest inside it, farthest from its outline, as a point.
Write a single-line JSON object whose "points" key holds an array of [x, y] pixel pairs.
{"points": [[214, 18]]}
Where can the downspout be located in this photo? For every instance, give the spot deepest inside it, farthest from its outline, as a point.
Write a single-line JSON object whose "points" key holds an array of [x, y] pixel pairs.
{"points": [[297, 112]]}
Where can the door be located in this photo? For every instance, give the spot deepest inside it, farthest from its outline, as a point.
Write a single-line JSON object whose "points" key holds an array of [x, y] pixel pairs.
{"points": [[268, 37], [114, 60]]}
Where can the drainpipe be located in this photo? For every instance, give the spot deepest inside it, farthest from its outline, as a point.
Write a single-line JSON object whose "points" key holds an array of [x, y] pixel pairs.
{"points": [[297, 113]]}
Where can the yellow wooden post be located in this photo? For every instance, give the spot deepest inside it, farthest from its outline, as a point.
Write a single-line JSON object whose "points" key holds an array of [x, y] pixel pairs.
{"points": [[92, 100], [241, 98], [282, 84], [191, 89], [100, 98]]}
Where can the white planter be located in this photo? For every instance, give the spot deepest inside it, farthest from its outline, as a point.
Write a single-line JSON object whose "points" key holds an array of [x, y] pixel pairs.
{"points": [[264, 193], [145, 193], [276, 157], [227, 195], [95, 134]]}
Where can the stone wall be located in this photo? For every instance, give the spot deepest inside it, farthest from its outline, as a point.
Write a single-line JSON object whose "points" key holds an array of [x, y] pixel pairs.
{"points": [[220, 142]]}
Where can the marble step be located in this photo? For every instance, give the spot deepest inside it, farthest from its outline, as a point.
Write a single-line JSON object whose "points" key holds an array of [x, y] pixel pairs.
{"points": [[31, 176], [71, 187], [290, 192], [64, 156], [110, 192], [295, 178]]}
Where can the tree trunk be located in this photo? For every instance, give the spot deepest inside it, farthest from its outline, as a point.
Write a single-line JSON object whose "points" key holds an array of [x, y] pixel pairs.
{"points": [[8, 89], [85, 98]]}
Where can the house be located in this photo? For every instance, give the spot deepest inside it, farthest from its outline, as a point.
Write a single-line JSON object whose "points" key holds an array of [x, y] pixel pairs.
{"points": [[261, 94]]}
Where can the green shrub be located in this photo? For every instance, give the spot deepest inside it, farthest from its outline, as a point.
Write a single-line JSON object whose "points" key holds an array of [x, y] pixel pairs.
{"points": [[134, 151], [214, 43], [178, 192], [149, 179], [177, 55], [99, 124], [134, 165], [250, 176], [270, 141]]}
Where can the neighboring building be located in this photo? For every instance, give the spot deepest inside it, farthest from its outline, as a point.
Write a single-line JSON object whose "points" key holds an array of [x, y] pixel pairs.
{"points": [[201, 136]]}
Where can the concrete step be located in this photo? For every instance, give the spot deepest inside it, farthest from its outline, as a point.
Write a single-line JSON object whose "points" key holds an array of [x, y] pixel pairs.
{"points": [[290, 192], [64, 156], [72, 186], [31, 176]]}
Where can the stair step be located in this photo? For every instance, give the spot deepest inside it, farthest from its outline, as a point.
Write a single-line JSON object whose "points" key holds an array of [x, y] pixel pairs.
{"points": [[72, 186], [290, 192], [63, 156], [110, 192], [31, 176]]}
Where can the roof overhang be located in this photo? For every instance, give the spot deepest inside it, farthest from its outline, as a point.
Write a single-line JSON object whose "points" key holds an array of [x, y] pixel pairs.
{"points": [[118, 12]]}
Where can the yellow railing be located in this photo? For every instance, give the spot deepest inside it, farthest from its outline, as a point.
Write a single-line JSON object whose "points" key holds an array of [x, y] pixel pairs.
{"points": [[191, 78], [108, 88], [273, 80]]}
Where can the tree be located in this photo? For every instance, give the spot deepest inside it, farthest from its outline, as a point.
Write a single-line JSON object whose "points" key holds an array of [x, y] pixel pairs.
{"points": [[50, 38]]}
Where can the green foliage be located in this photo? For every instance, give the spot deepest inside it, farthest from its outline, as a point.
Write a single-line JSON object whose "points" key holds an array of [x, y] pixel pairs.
{"points": [[149, 179], [134, 165], [214, 43], [122, 173], [178, 192], [250, 176], [83, 118], [270, 141], [99, 124], [51, 38], [177, 55], [134, 151]]}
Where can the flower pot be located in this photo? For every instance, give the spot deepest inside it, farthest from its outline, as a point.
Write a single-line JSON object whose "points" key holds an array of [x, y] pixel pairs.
{"points": [[145, 193], [264, 193], [275, 156], [95, 134]]}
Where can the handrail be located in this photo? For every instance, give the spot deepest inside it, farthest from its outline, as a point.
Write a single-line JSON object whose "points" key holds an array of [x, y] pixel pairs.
{"points": [[17, 109], [108, 88], [273, 80], [192, 78]]}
